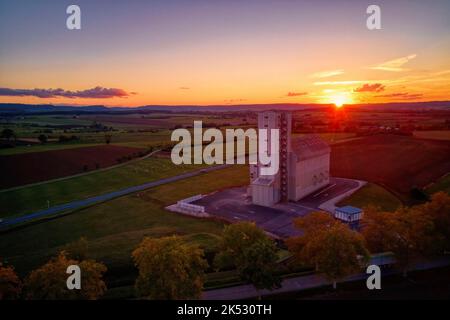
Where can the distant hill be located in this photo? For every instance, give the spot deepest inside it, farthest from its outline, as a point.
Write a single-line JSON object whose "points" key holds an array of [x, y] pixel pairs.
{"points": [[14, 108], [43, 108]]}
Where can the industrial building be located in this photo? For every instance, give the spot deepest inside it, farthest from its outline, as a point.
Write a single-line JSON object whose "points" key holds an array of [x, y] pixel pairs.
{"points": [[304, 164]]}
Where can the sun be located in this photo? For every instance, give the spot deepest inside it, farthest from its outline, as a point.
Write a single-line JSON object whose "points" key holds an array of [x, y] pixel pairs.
{"points": [[340, 98], [339, 102]]}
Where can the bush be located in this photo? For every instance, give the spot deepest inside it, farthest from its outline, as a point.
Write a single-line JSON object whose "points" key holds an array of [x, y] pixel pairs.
{"points": [[418, 194]]}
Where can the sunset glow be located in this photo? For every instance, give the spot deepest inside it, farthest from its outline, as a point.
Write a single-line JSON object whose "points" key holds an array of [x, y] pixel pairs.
{"points": [[224, 52]]}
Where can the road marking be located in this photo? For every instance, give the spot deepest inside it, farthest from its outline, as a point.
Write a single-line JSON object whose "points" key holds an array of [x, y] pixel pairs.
{"points": [[333, 185]]}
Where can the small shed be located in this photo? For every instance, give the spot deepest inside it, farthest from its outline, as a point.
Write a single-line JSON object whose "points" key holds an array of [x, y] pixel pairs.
{"points": [[348, 214]]}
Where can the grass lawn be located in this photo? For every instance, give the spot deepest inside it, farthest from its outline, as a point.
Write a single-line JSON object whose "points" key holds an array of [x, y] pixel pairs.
{"points": [[114, 228], [442, 184], [29, 199], [372, 194]]}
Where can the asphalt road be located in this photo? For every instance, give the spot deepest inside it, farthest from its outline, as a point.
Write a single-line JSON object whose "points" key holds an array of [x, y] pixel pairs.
{"points": [[104, 197], [247, 291]]}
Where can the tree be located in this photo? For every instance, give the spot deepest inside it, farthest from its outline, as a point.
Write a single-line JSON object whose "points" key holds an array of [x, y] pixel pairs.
{"points": [[49, 281], [340, 252], [247, 248], [331, 246], [312, 226], [237, 237], [42, 138], [408, 232], [376, 228], [169, 269], [78, 250], [10, 284], [258, 265], [8, 134], [439, 209]]}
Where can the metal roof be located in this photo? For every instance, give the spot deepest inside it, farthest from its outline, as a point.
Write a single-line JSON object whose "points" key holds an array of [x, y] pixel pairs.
{"points": [[309, 147], [349, 210]]}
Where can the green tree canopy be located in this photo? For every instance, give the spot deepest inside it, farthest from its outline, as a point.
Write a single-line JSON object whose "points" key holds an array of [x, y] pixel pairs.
{"points": [[49, 281], [408, 232], [169, 268], [252, 253], [8, 134], [78, 250], [329, 245]]}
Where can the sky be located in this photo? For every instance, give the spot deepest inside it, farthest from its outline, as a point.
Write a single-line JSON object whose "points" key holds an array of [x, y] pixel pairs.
{"points": [[203, 52]]}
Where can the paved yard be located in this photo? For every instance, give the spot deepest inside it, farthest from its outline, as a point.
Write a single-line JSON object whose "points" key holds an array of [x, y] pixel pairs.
{"points": [[234, 205]]}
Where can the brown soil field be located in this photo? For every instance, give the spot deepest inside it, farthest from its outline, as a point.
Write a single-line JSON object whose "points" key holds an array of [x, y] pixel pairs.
{"points": [[396, 162], [21, 169], [129, 120]]}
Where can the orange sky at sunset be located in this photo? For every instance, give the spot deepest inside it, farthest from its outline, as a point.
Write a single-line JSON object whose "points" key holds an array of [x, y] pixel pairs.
{"points": [[313, 55]]}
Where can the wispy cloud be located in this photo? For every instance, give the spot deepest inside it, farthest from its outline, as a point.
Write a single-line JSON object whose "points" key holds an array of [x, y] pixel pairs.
{"points": [[401, 96], [296, 94], [346, 82], [367, 87], [184, 88], [395, 65], [234, 100], [326, 74], [94, 93]]}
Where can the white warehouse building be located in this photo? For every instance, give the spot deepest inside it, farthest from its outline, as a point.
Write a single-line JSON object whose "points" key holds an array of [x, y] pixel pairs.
{"points": [[304, 164]]}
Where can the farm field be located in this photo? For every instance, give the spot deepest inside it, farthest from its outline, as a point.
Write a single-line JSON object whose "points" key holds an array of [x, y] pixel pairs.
{"points": [[115, 227], [372, 194], [435, 135], [33, 198], [21, 169], [163, 121], [443, 184], [332, 137], [395, 162], [44, 147]]}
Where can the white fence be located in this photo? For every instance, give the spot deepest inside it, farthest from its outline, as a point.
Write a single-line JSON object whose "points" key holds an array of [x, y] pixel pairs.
{"points": [[185, 206]]}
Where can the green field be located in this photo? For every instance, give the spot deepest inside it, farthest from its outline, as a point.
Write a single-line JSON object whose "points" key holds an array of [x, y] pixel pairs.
{"points": [[115, 227], [33, 198], [442, 184], [44, 147], [372, 194]]}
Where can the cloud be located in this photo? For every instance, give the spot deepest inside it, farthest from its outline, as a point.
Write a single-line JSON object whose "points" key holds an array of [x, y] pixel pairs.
{"points": [[184, 88], [346, 82], [326, 74], [94, 93], [394, 65], [234, 100], [296, 94], [401, 95], [367, 87]]}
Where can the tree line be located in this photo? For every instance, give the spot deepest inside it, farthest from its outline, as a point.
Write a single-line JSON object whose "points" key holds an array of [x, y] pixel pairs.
{"points": [[171, 268]]}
